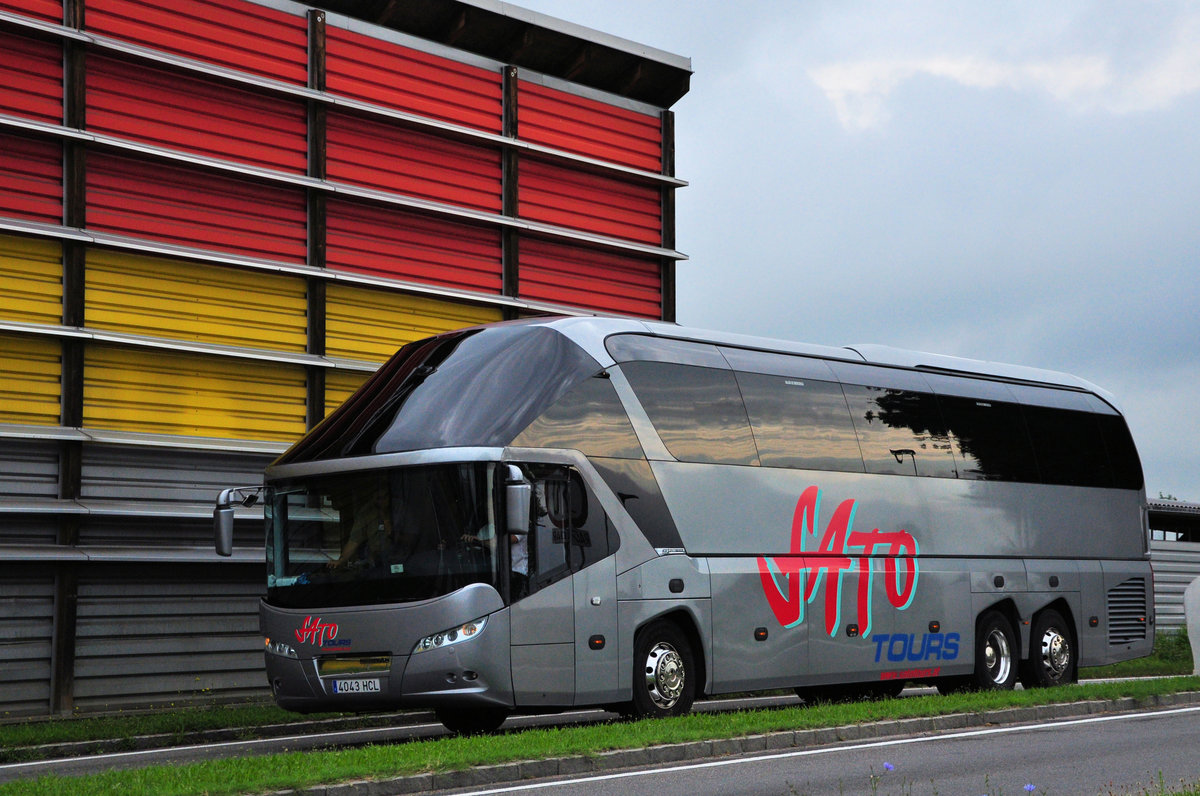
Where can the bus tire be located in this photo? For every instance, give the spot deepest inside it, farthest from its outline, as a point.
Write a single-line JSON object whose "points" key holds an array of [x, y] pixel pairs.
{"points": [[471, 721], [1053, 659], [664, 672], [996, 654]]}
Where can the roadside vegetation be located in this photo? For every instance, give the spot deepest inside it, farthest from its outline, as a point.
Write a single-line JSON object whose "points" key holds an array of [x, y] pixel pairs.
{"points": [[1172, 655], [173, 724], [306, 769]]}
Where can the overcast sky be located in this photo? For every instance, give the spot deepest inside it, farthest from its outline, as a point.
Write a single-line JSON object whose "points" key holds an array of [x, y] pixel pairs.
{"points": [[1019, 183]]}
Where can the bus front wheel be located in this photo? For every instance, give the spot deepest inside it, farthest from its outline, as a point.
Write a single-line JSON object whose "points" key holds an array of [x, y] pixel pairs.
{"points": [[664, 672], [995, 653], [1052, 657], [472, 722]]}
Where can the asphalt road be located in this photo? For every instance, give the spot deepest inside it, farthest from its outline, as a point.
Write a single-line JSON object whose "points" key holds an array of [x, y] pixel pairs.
{"points": [[1119, 753]]}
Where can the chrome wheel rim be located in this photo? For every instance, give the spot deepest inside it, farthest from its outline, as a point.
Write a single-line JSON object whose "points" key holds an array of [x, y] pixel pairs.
{"points": [[665, 675], [997, 657], [1056, 653]]}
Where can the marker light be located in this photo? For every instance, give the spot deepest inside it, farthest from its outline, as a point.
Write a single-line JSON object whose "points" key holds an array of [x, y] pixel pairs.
{"points": [[456, 635]]}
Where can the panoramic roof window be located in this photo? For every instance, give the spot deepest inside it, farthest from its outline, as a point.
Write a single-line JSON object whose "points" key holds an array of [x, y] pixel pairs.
{"points": [[477, 388], [590, 419]]}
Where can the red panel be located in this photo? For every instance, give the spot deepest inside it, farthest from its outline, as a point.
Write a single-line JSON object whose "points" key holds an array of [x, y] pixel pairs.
{"points": [[232, 33], [190, 207], [393, 243], [31, 179], [31, 78], [49, 10], [591, 202], [388, 74], [596, 280], [382, 155], [589, 127], [182, 111]]}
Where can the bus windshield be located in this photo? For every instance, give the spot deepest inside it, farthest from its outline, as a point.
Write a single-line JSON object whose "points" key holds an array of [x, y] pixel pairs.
{"points": [[381, 536]]}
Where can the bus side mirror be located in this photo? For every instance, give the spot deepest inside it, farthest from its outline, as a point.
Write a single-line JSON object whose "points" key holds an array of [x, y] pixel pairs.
{"points": [[223, 530], [223, 524], [518, 497]]}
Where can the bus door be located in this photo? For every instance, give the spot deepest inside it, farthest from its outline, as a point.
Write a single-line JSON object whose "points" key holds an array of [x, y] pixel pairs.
{"points": [[563, 595]]}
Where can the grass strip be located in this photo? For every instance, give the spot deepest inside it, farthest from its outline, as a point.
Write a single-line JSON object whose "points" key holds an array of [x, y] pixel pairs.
{"points": [[171, 722], [307, 769], [1172, 655]]}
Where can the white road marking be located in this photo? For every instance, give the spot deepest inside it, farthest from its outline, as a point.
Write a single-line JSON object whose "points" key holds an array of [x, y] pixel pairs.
{"points": [[824, 750]]}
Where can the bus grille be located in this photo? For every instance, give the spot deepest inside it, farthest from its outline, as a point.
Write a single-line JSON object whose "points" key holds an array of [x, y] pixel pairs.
{"points": [[1127, 612]]}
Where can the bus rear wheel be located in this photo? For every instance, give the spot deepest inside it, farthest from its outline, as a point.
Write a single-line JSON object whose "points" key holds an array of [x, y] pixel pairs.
{"points": [[664, 672], [1052, 656], [472, 721], [995, 653]]}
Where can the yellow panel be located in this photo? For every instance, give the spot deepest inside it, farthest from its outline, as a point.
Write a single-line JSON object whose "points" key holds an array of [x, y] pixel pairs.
{"points": [[32, 375], [372, 324], [163, 392], [189, 301], [340, 385], [31, 275]]}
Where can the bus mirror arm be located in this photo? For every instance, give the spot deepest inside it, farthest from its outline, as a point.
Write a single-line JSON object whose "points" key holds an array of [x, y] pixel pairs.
{"points": [[517, 498]]}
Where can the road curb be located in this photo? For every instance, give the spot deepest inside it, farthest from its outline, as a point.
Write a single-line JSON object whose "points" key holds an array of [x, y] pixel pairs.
{"points": [[140, 743], [506, 773]]}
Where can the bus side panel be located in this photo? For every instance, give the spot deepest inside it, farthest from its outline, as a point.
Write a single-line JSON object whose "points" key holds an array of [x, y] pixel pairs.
{"points": [[741, 660], [1093, 639], [597, 640], [918, 623], [732, 510], [1128, 609], [543, 646]]}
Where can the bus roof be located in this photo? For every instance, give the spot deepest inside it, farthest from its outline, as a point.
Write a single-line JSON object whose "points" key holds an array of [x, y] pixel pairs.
{"points": [[589, 333]]}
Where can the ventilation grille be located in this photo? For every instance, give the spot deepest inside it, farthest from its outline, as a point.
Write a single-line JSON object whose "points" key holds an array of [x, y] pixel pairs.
{"points": [[1127, 612]]}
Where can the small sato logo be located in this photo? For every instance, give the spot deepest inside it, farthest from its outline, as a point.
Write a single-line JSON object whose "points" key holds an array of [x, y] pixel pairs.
{"points": [[314, 631]]}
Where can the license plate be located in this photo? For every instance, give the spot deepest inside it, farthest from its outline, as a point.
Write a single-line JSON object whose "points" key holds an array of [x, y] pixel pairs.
{"points": [[356, 686]]}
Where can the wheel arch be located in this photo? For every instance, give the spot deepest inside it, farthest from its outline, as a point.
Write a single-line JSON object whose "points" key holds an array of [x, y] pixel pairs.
{"points": [[1063, 609], [1008, 609], [687, 624]]}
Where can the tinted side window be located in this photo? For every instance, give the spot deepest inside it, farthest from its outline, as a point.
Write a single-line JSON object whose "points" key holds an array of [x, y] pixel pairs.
{"points": [[1068, 447], [1122, 455], [634, 484], [801, 423], [698, 412], [900, 432], [989, 439], [589, 419]]}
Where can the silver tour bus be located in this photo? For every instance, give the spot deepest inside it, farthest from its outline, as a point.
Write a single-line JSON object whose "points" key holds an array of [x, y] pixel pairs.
{"points": [[553, 513]]}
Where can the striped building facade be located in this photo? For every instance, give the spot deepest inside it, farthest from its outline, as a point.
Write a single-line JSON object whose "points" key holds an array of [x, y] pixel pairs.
{"points": [[217, 217]]}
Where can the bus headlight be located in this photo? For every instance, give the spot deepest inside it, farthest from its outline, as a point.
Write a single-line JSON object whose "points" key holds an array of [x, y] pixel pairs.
{"points": [[455, 635], [281, 648]]}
